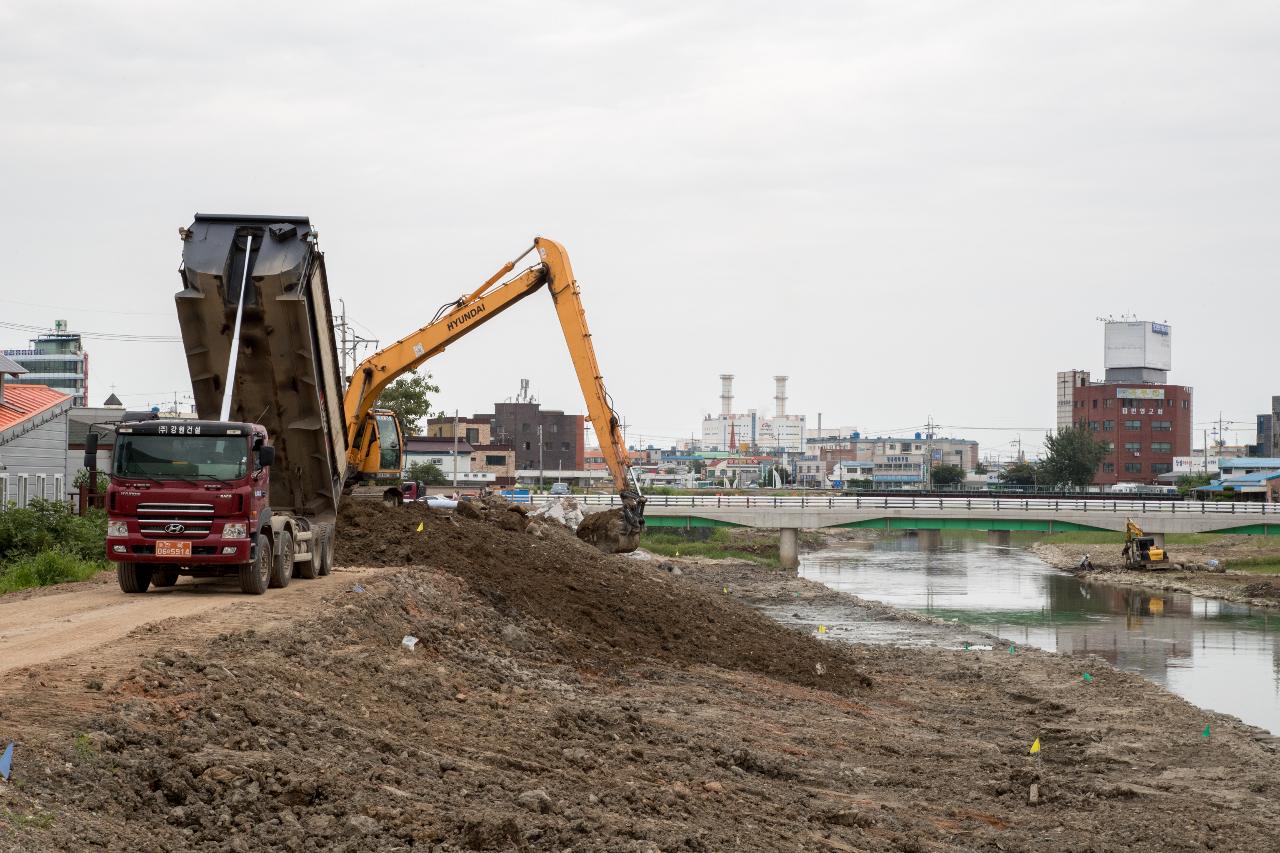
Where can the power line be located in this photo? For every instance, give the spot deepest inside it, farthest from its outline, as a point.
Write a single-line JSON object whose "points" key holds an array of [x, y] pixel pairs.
{"points": [[77, 308], [101, 336]]}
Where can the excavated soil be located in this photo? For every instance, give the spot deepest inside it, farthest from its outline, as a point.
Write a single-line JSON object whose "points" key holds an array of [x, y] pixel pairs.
{"points": [[609, 611], [561, 700]]}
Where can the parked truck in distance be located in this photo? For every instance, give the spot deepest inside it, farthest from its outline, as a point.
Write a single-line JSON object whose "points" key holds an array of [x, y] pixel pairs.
{"points": [[251, 487]]}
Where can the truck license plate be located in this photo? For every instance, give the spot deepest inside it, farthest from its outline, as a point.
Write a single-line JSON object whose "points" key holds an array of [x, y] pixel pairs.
{"points": [[173, 548]]}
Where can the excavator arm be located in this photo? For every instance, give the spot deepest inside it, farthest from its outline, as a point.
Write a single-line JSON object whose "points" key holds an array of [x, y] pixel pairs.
{"points": [[452, 321]]}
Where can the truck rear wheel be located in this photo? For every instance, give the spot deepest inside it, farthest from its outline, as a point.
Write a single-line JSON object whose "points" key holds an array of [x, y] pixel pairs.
{"points": [[133, 577], [282, 566], [310, 569], [255, 575], [326, 552]]}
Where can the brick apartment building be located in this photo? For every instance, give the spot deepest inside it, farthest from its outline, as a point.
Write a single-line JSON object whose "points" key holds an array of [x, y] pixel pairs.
{"points": [[1144, 425], [516, 425]]}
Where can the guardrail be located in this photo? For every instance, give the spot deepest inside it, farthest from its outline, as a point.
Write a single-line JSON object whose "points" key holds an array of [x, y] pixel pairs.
{"points": [[941, 504]]}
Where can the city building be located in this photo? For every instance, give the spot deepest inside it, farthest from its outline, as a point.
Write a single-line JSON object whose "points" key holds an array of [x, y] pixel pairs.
{"points": [[451, 457], [1250, 479], [56, 360], [543, 439], [33, 439], [1268, 438], [474, 431], [901, 470], [847, 471], [1144, 421], [737, 472], [735, 431], [1068, 381]]}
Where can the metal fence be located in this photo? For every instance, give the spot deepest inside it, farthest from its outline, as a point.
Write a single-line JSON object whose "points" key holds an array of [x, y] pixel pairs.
{"points": [[941, 504]]}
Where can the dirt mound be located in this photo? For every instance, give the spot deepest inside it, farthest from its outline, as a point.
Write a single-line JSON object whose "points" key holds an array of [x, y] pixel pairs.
{"points": [[1261, 589], [607, 610]]}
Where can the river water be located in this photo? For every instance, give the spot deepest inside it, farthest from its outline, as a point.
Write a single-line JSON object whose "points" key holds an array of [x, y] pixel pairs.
{"points": [[1218, 655]]}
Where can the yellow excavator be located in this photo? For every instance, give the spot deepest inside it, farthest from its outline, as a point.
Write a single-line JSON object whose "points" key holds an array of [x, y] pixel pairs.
{"points": [[375, 438], [1140, 550]]}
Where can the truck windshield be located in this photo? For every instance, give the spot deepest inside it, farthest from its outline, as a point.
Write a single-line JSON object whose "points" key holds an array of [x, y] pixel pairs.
{"points": [[216, 457]]}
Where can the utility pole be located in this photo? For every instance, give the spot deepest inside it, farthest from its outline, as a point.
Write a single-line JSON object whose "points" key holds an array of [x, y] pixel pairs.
{"points": [[540, 465], [455, 450], [349, 342], [928, 454]]}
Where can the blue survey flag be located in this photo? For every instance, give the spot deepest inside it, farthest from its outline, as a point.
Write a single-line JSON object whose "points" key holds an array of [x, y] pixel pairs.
{"points": [[6, 763]]}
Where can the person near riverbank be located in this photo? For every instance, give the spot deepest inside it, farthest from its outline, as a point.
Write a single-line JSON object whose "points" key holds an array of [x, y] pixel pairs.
{"points": [[1086, 565]]}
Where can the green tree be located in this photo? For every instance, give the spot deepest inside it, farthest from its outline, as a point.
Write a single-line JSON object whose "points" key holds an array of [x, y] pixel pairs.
{"points": [[947, 475], [1188, 483], [425, 472], [981, 469], [1019, 474], [410, 399], [82, 478], [1072, 457]]}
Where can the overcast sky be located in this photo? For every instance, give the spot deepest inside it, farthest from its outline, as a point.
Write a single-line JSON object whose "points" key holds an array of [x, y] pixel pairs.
{"points": [[912, 209]]}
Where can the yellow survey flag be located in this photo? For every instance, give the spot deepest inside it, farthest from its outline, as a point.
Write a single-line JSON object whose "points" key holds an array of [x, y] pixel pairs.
{"points": [[420, 526], [822, 629], [1035, 747]]}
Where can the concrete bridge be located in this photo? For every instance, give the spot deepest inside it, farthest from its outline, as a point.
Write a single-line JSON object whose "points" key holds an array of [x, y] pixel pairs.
{"points": [[1003, 515]]}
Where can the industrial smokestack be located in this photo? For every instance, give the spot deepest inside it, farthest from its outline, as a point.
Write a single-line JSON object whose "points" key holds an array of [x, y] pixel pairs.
{"points": [[726, 394], [780, 396]]}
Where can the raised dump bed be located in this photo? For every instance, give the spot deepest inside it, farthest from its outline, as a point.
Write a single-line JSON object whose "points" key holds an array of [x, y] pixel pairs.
{"points": [[287, 376]]}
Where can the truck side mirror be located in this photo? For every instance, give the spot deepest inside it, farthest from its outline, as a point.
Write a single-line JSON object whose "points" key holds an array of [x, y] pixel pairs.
{"points": [[91, 450], [266, 455]]}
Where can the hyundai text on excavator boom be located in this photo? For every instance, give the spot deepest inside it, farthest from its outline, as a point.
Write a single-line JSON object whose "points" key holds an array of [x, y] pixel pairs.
{"points": [[374, 437]]}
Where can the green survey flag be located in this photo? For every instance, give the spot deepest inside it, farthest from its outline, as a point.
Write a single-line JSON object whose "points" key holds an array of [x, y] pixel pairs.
{"points": [[1088, 678], [1205, 733], [1011, 650]]}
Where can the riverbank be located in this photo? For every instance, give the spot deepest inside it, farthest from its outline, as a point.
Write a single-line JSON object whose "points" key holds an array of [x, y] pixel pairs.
{"points": [[1252, 588]]}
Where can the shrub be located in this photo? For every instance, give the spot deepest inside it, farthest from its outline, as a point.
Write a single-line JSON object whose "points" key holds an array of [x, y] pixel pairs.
{"points": [[47, 567], [46, 542]]}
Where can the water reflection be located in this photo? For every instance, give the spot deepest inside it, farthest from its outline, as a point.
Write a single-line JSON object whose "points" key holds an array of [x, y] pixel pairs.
{"points": [[1216, 654]]}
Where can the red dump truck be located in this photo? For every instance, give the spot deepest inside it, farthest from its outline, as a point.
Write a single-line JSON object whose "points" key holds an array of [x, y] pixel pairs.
{"points": [[251, 486]]}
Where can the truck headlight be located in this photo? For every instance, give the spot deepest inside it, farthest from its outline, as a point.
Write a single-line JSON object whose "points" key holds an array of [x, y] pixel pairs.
{"points": [[117, 528], [234, 530]]}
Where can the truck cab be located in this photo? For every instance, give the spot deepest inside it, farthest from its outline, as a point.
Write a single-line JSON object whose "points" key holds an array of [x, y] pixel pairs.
{"points": [[191, 497]]}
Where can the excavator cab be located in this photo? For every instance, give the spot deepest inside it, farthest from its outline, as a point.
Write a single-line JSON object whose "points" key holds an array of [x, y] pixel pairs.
{"points": [[378, 447]]}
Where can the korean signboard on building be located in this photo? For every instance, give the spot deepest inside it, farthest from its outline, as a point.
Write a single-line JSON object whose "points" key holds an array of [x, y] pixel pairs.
{"points": [[1140, 393]]}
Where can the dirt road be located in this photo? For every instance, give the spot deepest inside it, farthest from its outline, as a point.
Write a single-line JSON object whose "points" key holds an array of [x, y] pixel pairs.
{"points": [[59, 623]]}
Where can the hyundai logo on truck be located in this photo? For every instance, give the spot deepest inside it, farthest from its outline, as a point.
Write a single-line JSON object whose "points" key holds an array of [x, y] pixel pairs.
{"points": [[174, 528]]}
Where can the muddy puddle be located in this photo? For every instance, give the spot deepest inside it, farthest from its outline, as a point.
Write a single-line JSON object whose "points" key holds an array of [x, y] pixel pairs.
{"points": [[1216, 654]]}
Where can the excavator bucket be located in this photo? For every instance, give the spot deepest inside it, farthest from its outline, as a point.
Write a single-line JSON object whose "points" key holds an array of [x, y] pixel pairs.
{"points": [[617, 530]]}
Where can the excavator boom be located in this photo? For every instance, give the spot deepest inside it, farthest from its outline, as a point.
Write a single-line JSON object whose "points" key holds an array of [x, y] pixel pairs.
{"points": [[619, 530]]}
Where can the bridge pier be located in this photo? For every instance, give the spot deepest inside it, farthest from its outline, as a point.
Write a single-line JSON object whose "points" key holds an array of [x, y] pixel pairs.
{"points": [[998, 537], [789, 547], [1159, 538], [930, 540]]}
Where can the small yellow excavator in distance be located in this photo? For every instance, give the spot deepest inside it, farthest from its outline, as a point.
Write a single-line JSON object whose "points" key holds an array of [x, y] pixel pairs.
{"points": [[1140, 550], [374, 436]]}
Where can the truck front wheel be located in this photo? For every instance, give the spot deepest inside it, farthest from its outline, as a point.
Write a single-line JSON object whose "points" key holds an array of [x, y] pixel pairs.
{"points": [[133, 577], [164, 576], [255, 575]]}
